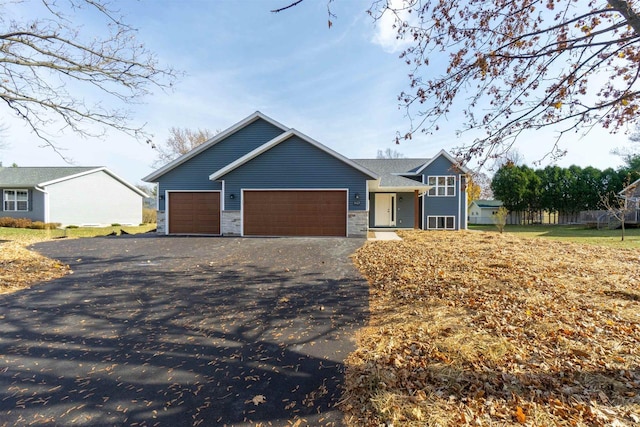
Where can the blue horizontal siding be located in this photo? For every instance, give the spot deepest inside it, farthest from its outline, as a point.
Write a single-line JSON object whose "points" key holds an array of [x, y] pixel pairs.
{"points": [[295, 163], [194, 173], [36, 204], [445, 206]]}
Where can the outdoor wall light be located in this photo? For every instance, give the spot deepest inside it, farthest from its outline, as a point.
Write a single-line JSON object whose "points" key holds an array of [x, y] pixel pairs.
{"points": [[356, 196], [162, 197], [232, 196]]}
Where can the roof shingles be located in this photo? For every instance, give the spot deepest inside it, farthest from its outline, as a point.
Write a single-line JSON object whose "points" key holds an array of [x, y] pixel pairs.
{"points": [[34, 176], [390, 170]]}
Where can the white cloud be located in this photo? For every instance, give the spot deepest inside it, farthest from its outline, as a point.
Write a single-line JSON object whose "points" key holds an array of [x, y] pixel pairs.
{"points": [[386, 33]]}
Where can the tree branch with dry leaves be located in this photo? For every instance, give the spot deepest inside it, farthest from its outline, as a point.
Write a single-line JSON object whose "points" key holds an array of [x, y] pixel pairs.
{"points": [[511, 67], [54, 73]]}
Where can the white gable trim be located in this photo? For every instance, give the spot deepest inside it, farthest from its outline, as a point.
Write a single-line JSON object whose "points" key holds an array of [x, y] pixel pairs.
{"points": [[446, 156], [629, 187], [211, 142], [100, 169], [277, 140]]}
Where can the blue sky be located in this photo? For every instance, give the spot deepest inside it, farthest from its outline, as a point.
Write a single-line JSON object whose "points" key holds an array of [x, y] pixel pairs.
{"points": [[338, 86]]}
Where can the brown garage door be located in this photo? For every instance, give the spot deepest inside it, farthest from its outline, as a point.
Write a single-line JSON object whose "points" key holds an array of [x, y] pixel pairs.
{"points": [[295, 213], [194, 213]]}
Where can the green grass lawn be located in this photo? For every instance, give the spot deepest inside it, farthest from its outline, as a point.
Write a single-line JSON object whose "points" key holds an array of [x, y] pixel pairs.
{"points": [[572, 233], [28, 235]]}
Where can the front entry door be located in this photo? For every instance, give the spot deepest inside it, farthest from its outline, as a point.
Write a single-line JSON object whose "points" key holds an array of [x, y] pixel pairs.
{"points": [[385, 210]]}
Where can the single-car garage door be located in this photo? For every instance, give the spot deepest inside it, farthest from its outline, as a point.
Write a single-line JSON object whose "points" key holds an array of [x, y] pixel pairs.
{"points": [[294, 213], [194, 212]]}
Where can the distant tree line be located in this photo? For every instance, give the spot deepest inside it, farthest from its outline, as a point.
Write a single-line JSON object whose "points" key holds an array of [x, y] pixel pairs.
{"points": [[561, 193]]}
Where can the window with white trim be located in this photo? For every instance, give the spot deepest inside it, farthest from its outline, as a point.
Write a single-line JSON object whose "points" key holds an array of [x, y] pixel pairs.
{"points": [[441, 222], [442, 186], [15, 200]]}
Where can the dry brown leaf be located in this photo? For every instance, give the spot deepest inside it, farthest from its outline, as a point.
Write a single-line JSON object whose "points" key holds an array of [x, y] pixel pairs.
{"points": [[480, 323], [258, 399]]}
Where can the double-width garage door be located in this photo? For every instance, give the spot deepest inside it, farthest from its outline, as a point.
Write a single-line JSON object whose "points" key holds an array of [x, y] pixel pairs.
{"points": [[295, 213], [194, 212]]}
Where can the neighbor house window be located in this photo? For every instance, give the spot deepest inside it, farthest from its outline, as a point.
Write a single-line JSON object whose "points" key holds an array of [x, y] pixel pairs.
{"points": [[16, 200], [442, 185], [440, 222]]}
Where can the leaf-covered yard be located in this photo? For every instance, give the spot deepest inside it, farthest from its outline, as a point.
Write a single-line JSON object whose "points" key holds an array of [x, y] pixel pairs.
{"points": [[20, 268], [472, 328]]}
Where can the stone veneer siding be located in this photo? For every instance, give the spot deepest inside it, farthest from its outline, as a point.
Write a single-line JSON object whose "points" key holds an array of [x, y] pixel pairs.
{"points": [[357, 223], [230, 223], [161, 223]]}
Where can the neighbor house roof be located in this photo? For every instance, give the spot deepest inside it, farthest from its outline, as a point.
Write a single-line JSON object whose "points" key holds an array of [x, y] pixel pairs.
{"points": [[633, 189], [390, 171], [47, 175], [488, 203], [283, 137], [35, 176]]}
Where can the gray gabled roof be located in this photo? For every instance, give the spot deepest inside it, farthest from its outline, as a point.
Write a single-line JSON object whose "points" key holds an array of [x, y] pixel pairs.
{"points": [[484, 203], [34, 176], [47, 175], [390, 170]]}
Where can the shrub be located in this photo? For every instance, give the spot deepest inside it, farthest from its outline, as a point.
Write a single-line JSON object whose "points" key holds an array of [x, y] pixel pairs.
{"points": [[39, 225], [149, 216], [500, 218], [115, 224], [15, 222], [5, 221], [72, 226], [27, 223], [23, 222]]}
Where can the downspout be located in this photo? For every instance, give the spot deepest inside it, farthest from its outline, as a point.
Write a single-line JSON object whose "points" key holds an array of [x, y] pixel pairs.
{"points": [[424, 206], [459, 205], [46, 203], [466, 205]]}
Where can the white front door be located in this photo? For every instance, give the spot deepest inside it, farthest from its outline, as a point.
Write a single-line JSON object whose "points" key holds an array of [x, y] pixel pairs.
{"points": [[385, 210]]}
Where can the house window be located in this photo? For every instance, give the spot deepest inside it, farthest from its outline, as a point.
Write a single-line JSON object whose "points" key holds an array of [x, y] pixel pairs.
{"points": [[442, 186], [440, 222], [16, 200]]}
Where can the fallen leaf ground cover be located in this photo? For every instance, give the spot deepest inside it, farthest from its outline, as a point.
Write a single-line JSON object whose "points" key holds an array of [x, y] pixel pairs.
{"points": [[473, 328], [21, 268]]}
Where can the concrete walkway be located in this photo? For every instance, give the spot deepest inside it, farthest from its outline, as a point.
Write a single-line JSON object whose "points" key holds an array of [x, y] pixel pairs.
{"points": [[385, 235]]}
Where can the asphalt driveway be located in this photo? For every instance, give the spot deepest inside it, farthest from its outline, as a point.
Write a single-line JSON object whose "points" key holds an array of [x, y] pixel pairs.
{"points": [[177, 331]]}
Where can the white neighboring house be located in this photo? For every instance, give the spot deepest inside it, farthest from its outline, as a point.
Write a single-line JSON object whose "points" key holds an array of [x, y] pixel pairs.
{"points": [[632, 195], [482, 211], [82, 196]]}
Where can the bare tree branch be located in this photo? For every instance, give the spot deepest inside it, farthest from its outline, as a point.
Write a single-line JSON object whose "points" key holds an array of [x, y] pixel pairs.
{"points": [[180, 141], [49, 69], [290, 5]]}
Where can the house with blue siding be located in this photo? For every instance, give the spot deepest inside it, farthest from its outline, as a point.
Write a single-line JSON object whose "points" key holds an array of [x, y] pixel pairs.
{"points": [[261, 178]]}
